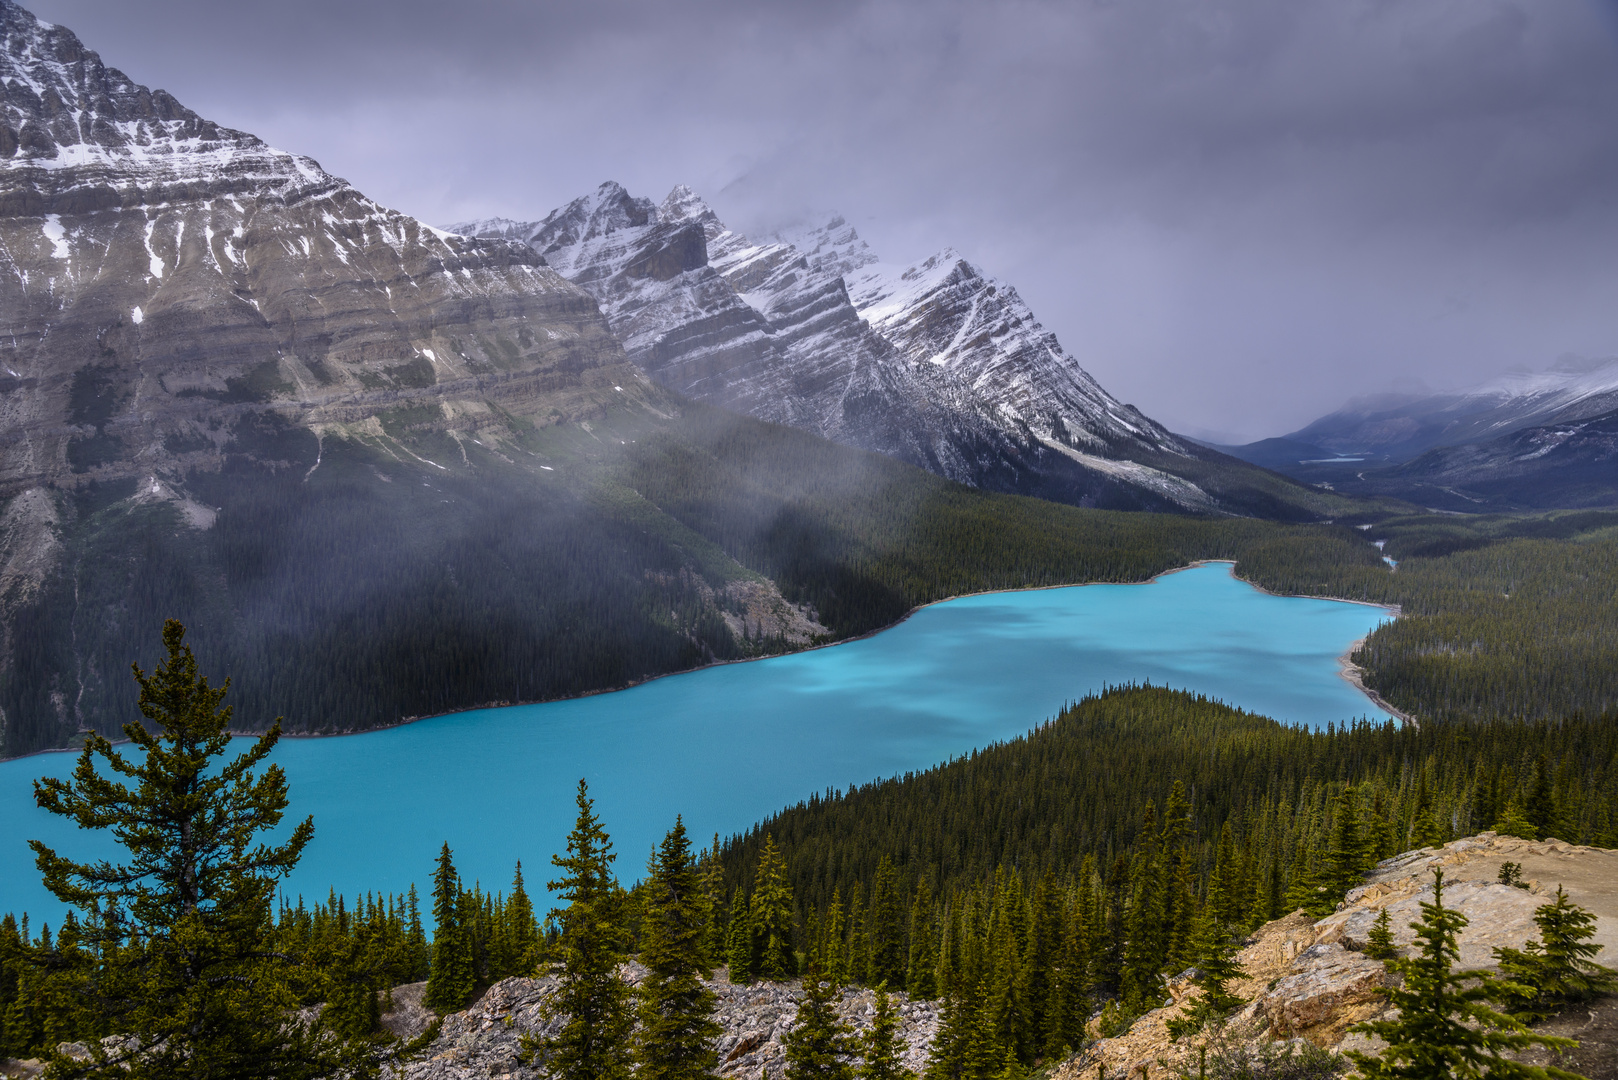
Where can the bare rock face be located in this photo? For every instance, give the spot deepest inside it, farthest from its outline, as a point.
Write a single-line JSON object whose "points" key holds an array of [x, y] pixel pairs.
{"points": [[935, 364], [1309, 979], [485, 1040], [162, 276]]}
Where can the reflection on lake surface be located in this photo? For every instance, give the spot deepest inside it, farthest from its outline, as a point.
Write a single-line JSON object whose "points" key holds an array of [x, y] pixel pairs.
{"points": [[727, 745]]}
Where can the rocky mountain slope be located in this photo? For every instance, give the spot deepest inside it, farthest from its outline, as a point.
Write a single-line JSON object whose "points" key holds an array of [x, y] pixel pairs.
{"points": [[162, 277], [935, 363], [1568, 463], [165, 281]]}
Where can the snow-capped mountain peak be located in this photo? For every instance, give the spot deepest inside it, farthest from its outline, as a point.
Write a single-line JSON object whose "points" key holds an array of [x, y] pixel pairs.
{"points": [[934, 362]]}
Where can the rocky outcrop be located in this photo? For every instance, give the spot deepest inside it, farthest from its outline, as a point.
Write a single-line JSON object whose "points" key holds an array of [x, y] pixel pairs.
{"points": [[485, 1040], [1307, 978]]}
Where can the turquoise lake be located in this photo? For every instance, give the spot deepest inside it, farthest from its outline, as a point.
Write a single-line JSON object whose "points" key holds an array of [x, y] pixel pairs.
{"points": [[727, 745]]}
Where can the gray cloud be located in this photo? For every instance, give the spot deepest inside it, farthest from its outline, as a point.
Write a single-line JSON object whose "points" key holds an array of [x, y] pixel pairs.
{"points": [[1234, 212]]}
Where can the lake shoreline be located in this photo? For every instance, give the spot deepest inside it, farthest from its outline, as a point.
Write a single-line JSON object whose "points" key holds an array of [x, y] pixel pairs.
{"points": [[1347, 670]]}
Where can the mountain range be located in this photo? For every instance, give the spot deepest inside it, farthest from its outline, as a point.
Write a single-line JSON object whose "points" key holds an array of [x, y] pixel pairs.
{"points": [[1527, 440], [935, 363]]}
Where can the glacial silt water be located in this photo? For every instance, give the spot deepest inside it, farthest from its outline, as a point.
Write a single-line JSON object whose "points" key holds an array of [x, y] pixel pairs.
{"points": [[727, 745]]}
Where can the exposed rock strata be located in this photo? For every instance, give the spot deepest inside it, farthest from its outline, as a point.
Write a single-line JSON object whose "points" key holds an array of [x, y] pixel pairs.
{"points": [[161, 277]]}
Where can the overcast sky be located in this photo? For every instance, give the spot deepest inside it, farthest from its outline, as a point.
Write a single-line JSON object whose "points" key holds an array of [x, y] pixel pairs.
{"points": [[1235, 213]]}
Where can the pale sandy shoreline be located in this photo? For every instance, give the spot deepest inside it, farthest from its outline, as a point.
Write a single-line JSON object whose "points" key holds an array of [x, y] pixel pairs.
{"points": [[1346, 668]]}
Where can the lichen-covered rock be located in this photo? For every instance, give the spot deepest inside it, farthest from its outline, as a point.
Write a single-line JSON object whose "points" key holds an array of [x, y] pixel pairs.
{"points": [[1328, 989]]}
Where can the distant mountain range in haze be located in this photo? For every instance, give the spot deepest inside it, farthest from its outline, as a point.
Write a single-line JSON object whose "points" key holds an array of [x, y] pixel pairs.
{"points": [[1527, 440]]}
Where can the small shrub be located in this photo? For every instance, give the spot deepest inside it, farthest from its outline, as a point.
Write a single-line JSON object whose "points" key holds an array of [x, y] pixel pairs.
{"points": [[1268, 1061]]}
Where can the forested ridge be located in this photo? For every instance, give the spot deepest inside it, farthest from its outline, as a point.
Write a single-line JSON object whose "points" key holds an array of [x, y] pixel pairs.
{"points": [[1044, 802]]}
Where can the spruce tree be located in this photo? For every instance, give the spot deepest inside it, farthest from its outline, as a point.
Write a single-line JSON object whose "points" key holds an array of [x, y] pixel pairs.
{"points": [[1379, 943], [1445, 1026], [886, 929], [739, 949], [1008, 1011], [770, 914], [1560, 968], [921, 977], [675, 1008], [1424, 828], [836, 951], [948, 1054], [453, 979], [859, 945], [1380, 836], [591, 1001], [522, 931], [1216, 966], [713, 895], [1144, 942], [1345, 853], [819, 1045], [183, 930], [418, 953], [880, 1046], [1224, 893], [1041, 965], [1541, 807], [1512, 822]]}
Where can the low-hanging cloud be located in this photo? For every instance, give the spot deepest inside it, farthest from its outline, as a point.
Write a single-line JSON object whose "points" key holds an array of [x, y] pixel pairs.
{"points": [[1235, 213]]}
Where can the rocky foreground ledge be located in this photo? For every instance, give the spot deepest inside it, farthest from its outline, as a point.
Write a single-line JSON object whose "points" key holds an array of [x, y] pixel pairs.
{"points": [[1310, 979], [484, 1041], [1306, 978]]}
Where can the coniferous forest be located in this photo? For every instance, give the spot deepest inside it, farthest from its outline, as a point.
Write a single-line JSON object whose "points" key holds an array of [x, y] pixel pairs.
{"points": [[1021, 886]]}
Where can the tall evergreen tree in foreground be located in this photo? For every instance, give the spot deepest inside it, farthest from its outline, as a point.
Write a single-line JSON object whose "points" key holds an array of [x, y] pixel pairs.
{"points": [[590, 999], [818, 1046], [880, 1046], [771, 913], [1446, 1027], [180, 930], [453, 977], [677, 1030]]}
